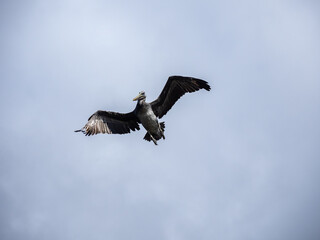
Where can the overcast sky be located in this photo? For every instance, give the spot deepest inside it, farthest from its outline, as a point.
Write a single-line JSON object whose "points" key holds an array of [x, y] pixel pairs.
{"points": [[239, 162]]}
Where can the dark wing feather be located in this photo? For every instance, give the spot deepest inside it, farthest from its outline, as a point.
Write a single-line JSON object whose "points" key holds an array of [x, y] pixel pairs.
{"points": [[175, 88], [111, 123]]}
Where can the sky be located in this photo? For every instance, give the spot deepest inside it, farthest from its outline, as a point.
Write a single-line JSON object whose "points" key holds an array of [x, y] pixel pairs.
{"points": [[239, 162]]}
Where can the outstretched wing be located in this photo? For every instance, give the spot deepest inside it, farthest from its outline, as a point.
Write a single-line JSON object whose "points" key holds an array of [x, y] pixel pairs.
{"points": [[111, 123], [175, 88]]}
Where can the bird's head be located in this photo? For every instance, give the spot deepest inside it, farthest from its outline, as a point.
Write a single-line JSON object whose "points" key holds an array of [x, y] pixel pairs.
{"points": [[141, 96]]}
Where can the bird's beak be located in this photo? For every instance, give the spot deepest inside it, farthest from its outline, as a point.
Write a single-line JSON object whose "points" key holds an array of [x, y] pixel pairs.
{"points": [[136, 98]]}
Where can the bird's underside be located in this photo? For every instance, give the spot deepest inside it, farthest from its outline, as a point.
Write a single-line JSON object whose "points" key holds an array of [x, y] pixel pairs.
{"points": [[145, 113]]}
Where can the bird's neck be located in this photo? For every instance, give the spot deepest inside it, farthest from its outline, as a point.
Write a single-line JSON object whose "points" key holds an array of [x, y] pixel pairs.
{"points": [[141, 102], [140, 105]]}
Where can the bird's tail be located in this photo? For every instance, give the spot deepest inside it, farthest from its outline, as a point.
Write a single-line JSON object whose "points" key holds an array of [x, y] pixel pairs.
{"points": [[147, 137]]}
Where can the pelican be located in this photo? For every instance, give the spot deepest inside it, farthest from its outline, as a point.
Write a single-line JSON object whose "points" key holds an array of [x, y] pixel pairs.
{"points": [[147, 114]]}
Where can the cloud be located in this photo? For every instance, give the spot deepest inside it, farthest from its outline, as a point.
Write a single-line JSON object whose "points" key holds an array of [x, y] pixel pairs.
{"points": [[238, 162]]}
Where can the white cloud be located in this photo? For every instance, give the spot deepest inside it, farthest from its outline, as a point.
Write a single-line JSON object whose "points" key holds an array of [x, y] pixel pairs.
{"points": [[238, 163]]}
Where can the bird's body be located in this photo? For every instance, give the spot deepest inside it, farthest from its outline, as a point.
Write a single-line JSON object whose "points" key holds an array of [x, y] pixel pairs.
{"points": [[149, 121], [147, 117], [145, 113]]}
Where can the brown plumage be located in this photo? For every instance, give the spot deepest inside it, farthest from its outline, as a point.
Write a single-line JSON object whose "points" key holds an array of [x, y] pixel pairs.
{"points": [[174, 89], [110, 122], [145, 113]]}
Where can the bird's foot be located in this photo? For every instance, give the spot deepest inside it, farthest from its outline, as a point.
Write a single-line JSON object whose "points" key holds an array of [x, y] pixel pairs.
{"points": [[153, 139], [162, 135]]}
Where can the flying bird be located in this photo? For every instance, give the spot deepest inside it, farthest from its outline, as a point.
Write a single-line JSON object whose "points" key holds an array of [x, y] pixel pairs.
{"points": [[145, 113]]}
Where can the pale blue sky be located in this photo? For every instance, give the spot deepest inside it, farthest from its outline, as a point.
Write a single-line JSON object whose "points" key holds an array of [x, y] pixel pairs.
{"points": [[239, 162]]}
